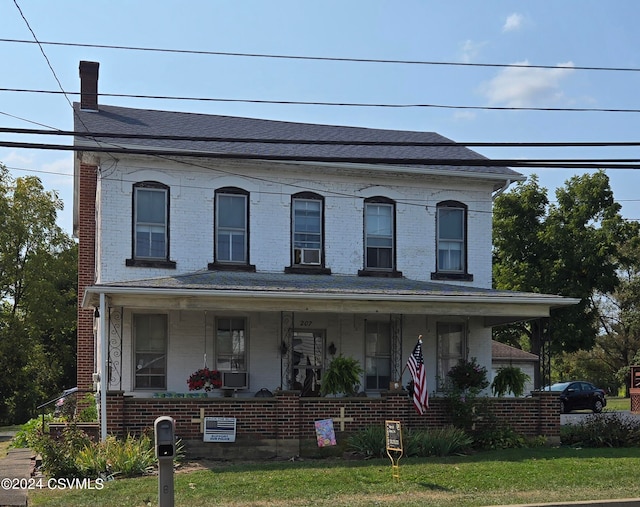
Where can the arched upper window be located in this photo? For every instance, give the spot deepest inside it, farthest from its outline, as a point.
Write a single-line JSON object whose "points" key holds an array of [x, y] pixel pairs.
{"points": [[451, 240], [150, 225], [379, 234], [307, 230], [231, 226]]}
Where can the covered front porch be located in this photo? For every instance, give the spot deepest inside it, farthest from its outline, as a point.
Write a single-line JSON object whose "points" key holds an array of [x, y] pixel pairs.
{"points": [[277, 333]]}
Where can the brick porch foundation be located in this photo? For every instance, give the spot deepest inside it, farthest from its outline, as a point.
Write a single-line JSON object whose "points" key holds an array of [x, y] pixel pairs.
{"points": [[275, 427]]}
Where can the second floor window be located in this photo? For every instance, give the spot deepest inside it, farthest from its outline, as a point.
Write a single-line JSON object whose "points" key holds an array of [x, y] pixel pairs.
{"points": [[307, 230], [231, 227], [150, 221], [379, 235], [451, 240]]}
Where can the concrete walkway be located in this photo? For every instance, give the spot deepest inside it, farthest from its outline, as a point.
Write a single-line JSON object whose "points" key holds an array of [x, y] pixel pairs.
{"points": [[15, 472]]}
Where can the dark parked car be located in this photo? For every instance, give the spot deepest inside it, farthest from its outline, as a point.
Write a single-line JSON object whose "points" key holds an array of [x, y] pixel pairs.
{"points": [[579, 395]]}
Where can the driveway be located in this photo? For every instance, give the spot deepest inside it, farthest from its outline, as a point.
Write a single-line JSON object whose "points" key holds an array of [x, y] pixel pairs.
{"points": [[577, 417]]}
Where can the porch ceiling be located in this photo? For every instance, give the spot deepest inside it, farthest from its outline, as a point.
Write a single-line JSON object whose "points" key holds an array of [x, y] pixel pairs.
{"points": [[240, 291]]}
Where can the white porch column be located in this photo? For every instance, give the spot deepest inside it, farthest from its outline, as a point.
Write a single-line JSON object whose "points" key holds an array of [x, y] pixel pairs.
{"points": [[104, 368]]}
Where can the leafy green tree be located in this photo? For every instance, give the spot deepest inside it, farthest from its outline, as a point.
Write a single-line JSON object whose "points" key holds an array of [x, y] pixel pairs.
{"points": [[38, 290], [569, 248], [619, 317]]}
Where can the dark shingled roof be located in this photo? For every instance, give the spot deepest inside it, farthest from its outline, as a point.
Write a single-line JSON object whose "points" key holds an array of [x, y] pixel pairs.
{"points": [[123, 120]]}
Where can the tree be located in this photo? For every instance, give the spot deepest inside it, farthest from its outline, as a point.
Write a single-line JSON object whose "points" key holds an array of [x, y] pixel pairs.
{"points": [[619, 317], [569, 248], [38, 286]]}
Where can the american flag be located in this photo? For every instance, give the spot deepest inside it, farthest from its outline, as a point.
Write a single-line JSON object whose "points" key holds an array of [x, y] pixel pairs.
{"points": [[415, 364]]}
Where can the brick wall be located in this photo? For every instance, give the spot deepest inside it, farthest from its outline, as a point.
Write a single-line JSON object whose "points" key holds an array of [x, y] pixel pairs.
{"points": [[86, 274], [192, 218], [289, 417]]}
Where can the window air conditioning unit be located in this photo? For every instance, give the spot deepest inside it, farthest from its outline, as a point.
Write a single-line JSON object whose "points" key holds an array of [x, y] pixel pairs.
{"points": [[235, 380], [307, 256]]}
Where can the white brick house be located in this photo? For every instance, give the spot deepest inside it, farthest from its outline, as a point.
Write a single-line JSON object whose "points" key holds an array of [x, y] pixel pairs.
{"points": [[208, 240]]}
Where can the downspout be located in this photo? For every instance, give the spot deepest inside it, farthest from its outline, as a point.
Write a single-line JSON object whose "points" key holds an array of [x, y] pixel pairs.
{"points": [[500, 191], [104, 380]]}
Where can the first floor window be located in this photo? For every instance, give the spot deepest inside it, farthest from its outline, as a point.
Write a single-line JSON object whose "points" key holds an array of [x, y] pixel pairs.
{"points": [[452, 347], [377, 355], [231, 344], [150, 338], [308, 361], [151, 216]]}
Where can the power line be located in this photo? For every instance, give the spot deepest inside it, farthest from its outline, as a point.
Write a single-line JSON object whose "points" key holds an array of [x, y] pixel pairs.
{"points": [[36, 41], [260, 140], [332, 193], [324, 58], [338, 104], [622, 163]]}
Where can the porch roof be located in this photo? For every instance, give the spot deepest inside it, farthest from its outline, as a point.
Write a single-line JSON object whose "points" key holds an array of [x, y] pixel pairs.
{"points": [[242, 291]]}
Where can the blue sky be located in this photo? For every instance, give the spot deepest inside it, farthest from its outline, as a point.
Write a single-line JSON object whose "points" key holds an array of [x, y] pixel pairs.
{"points": [[563, 35]]}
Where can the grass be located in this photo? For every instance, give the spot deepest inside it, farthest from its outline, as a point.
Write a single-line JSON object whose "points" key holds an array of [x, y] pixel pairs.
{"points": [[488, 478], [618, 403]]}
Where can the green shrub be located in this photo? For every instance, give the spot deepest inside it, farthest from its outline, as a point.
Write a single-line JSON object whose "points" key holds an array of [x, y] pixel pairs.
{"points": [[73, 454], [607, 429], [90, 412], [423, 443], [130, 457], [371, 441], [499, 437], [30, 432], [59, 454], [445, 441]]}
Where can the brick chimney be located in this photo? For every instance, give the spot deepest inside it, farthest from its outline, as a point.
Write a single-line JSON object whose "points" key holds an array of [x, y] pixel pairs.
{"points": [[89, 86]]}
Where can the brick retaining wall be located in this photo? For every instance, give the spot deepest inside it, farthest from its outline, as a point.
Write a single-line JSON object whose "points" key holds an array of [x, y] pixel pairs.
{"points": [[288, 418]]}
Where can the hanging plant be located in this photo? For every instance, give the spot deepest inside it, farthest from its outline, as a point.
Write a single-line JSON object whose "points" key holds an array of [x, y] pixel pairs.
{"points": [[204, 379], [509, 379], [342, 377]]}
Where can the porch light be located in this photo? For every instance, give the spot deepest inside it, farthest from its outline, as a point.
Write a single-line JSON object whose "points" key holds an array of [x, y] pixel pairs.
{"points": [[332, 349]]}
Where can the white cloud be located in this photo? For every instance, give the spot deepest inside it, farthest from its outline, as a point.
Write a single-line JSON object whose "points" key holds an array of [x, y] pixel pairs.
{"points": [[513, 22], [14, 158], [527, 87], [470, 49], [464, 115]]}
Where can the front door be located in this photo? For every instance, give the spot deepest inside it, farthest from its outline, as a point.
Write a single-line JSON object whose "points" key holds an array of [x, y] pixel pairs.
{"points": [[308, 361]]}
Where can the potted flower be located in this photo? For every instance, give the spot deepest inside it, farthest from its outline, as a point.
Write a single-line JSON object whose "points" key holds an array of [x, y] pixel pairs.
{"points": [[204, 379]]}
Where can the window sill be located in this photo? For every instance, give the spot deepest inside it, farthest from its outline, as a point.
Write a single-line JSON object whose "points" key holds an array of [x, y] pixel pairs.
{"points": [[307, 270], [148, 263], [219, 266], [380, 274], [464, 277]]}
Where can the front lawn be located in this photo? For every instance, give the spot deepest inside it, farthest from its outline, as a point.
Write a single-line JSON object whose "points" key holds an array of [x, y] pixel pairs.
{"points": [[486, 478]]}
